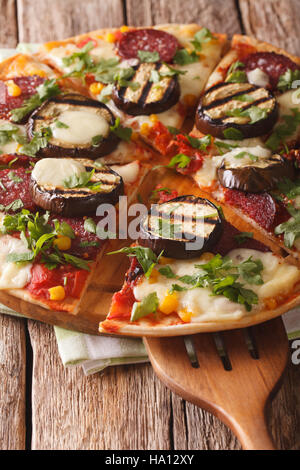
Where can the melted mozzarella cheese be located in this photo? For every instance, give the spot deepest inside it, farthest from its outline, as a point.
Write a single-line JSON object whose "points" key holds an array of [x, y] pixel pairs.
{"points": [[12, 275], [82, 127], [129, 172], [234, 161], [279, 278], [10, 147], [258, 77], [206, 175], [53, 171]]}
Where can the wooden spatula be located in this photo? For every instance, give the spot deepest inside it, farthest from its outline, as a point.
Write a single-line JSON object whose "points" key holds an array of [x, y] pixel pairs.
{"points": [[236, 384]]}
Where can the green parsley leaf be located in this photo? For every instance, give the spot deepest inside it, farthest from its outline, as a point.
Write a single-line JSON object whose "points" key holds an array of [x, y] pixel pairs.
{"points": [[61, 125], [200, 144], [123, 133], [183, 57], [77, 262], [14, 177], [167, 272], [83, 180], [148, 57], [39, 141], [45, 91], [90, 226], [201, 37], [148, 305], [181, 160], [287, 79], [145, 256], [287, 127]]}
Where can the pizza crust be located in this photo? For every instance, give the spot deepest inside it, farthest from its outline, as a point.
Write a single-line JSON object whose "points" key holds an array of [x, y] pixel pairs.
{"points": [[166, 328]]}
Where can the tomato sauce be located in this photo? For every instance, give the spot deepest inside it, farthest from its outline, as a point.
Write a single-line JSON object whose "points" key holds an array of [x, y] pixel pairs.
{"points": [[42, 279]]}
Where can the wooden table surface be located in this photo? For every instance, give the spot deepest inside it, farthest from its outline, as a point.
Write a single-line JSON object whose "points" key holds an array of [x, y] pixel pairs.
{"points": [[42, 404]]}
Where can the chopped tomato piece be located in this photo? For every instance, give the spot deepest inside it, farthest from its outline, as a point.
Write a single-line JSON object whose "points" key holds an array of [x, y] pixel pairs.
{"points": [[85, 41]]}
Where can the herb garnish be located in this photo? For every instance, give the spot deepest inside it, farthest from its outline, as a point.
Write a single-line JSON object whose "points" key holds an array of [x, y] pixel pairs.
{"points": [[123, 133], [234, 75], [148, 57], [44, 91], [284, 130], [83, 180], [287, 79], [145, 256]]}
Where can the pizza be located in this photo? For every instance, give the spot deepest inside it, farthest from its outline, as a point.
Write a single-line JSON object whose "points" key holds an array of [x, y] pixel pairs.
{"points": [[151, 78], [242, 153], [87, 120]]}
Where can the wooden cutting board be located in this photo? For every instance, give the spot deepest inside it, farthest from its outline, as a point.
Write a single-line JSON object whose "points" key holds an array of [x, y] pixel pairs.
{"points": [[109, 274]]}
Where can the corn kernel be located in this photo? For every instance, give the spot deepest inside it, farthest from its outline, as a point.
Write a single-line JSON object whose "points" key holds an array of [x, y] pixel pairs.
{"points": [[153, 276], [40, 73], [124, 29], [57, 293], [190, 100], [153, 118], [62, 243], [270, 304], [18, 148], [110, 37], [169, 304], [13, 89], [145, 129], [96, 88], [185, 315], [165, 260]]}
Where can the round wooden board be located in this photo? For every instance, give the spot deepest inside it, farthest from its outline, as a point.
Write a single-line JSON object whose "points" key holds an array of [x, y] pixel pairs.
{"points": [[109, 273]]}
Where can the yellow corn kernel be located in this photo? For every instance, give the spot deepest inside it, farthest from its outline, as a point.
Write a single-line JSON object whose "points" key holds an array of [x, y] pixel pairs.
{"points": [[40, 73], [96, 88], [153, 118], [165, 260], [153, 276], [57, 293], [134, 136], [185, 315], [18, 148], [62, 243], [13, 89], [145, 129], [169, 304], [190, 100], [124, 29], [270, 304], [110, 37], [189, 50]]}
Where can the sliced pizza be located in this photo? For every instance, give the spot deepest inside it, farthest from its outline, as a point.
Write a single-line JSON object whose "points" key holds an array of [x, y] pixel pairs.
{"points": [[151, 78], [192, 271], [244, 148]]}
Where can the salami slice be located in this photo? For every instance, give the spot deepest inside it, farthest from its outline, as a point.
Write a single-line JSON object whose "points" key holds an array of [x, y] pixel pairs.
{"points": [[274, 65], [28, 87], [259, 207], [150, 40]]}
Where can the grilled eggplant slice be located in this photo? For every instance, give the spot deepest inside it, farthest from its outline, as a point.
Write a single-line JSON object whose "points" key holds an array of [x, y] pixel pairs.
{"points": [[255, 175], [80, 127], [250, 110], [143, 96], [182, 228], [73, 188]]}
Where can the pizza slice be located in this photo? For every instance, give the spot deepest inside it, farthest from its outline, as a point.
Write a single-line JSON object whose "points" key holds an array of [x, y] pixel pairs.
{"points": [[244, 148], [151, 78], [59, 153], [192, 271]]}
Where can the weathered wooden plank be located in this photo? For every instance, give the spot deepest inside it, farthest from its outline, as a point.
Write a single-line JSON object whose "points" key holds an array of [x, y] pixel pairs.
{"points": [[12, 383], [273, 21], [48, 20], [124, 408], [285, 412], [8, 23], [219, 16]]}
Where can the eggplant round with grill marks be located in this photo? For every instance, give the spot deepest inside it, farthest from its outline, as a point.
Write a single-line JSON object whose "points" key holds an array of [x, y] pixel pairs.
{"points": [[143, 96], [236, 108], [73, 188], [182, 228], [80, 127], [252, 174]]}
